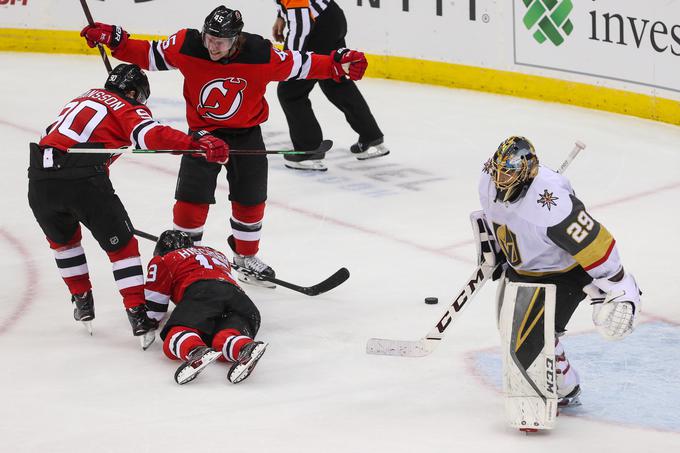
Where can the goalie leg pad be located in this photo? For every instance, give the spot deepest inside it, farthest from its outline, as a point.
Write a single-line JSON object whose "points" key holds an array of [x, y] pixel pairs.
{"points": [[527, 327]]}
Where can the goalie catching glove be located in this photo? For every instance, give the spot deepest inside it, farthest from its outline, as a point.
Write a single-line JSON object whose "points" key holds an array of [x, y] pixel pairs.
{"points": [[112, 36], [614, 310], [350, 63]]}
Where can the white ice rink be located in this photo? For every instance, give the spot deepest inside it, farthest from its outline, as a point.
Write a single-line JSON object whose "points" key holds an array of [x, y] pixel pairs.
{"points": [[400, 224]]}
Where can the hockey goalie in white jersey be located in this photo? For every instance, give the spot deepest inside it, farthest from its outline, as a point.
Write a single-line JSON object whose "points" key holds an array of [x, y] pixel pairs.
{"points": [[553, 254]]}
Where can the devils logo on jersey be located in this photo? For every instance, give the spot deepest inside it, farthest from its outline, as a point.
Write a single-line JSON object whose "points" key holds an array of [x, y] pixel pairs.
{"points": [[220, 99]]}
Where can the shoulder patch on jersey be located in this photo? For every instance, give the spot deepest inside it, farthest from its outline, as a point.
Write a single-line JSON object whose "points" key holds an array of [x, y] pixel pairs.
{"points": [[254, 50], [547, 201]]}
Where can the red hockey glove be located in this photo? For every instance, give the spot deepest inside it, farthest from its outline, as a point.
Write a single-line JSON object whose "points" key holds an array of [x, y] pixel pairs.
{"points": [[112, 36], [348, 62], [216, 150]]}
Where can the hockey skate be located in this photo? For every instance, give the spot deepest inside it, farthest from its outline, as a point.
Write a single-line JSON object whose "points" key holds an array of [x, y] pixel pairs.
{"points": [[251, 268], [570, 400], [198, 359], [370, 150], [142, 326], [83, 309], [247, 359], [308, 165]]}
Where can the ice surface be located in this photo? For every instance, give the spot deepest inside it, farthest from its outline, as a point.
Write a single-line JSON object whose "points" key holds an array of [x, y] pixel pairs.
{"points": [[400, 224]]}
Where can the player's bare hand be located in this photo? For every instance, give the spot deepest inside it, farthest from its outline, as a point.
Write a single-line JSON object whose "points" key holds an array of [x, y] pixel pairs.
{"points": [[215, 149], [350, 63], [277, 29], [112, 36]]}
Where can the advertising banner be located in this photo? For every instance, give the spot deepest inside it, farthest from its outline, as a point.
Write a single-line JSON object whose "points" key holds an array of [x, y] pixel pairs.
{"points": [[634, 42]]}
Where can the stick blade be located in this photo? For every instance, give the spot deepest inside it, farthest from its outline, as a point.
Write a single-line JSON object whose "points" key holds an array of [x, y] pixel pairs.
{"points": [[335, 280], [399, 348]]}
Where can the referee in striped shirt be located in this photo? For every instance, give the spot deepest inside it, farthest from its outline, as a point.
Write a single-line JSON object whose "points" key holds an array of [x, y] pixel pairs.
{"points": [[320, 26]]}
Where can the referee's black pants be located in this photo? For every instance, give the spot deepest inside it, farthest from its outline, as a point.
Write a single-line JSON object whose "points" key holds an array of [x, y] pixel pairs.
{"points": [[327, 34]]}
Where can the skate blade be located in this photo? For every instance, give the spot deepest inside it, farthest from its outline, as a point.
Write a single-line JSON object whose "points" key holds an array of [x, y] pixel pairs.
{"points": [[566, 403], [319, 168], [186, 373], [147, 339], [367, 156], [255, 281], [88, 326], [241, 371]]}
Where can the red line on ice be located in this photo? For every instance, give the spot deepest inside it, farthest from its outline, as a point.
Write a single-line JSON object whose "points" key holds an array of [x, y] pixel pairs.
{"points": [[30, 288]]}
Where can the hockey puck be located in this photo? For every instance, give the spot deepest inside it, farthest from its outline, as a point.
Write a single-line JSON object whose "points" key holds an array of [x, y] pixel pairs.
{"points": [[431, 300]]}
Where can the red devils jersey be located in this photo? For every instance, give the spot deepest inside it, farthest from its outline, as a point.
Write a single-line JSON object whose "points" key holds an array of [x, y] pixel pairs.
{"points": [[101, 117], [228, 93], [170, 275]]}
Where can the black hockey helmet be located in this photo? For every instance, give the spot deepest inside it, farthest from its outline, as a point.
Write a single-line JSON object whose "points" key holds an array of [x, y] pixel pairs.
{"points": [[513, 167], [126, 77], [170, 240], [223, 22]]}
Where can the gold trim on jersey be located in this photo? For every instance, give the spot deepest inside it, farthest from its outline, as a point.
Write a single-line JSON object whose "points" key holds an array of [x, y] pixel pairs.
{"points": [[596, 250], [546, 273]]}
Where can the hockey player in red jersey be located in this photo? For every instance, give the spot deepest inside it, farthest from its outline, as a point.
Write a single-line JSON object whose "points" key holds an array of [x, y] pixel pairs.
{"points": [[66, 189], [226, 72], [211, 309]]}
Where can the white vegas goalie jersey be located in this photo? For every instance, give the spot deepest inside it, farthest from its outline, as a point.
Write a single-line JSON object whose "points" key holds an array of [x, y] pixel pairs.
{"points": [[548, 230]]}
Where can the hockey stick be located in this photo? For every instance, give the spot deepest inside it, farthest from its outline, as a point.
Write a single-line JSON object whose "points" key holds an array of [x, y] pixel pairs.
{"points": [[90, 21], [335, 280], [326, 145], [427, 344], [338, 278]]}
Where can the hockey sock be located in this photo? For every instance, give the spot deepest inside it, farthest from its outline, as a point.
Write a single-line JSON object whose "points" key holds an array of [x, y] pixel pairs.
{"points": [[230, 342], [190, 218], [128, 273], [70, 258], [246, 227], [180, 341], [567, 376]]}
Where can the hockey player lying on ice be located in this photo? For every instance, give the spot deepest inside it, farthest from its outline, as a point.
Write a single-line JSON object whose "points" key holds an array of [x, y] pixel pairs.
{"points": [[211, 309]]}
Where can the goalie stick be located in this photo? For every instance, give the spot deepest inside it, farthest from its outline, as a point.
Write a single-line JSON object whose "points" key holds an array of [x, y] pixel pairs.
{"points": [[325, 146], [335, 280], [428, 343]]}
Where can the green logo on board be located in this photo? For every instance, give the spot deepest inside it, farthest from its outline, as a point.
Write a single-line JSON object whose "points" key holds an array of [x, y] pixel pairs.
{"points": [[549, 19]]}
